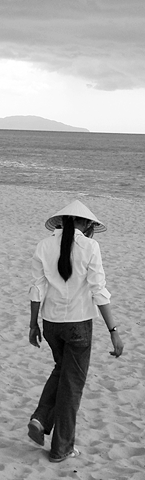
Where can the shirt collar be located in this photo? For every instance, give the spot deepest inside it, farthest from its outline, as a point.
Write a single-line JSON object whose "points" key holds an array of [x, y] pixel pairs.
{"points": [[78, 232], [58, 231]]}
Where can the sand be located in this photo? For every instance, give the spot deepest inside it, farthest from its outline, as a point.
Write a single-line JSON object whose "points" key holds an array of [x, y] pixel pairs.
{"points": [[110, 429]]}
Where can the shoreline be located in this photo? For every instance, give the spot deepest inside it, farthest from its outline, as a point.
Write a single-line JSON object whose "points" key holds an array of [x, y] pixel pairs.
{"points": [[126, 197]]}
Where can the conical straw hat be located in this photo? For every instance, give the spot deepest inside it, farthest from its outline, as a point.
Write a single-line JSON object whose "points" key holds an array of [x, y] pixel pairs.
{"points": [[75, 209]]}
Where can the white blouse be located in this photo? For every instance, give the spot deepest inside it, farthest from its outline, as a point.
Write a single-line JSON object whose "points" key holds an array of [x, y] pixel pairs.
{"points": [[76, 299]]}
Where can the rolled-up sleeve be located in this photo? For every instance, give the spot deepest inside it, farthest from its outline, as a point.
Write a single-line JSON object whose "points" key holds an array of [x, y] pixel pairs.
{"points": [[39, 284], [96, 278]]}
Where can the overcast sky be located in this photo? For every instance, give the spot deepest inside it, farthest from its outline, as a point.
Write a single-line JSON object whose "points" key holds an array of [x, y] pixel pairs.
{"points": [[81, 62]]}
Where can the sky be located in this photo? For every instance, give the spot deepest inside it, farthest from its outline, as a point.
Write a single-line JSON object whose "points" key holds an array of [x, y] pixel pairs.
{"points": [[80, 62]]}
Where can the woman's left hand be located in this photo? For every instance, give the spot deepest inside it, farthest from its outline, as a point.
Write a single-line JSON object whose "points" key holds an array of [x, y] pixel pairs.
{"points": [[35, 335]]}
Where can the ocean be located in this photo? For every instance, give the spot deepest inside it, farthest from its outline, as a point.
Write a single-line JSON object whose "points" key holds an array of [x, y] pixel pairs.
{"points": [[89, 163]]}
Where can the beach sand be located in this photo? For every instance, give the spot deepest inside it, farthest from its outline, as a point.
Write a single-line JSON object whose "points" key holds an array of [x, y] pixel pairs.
{"points": [[110, 429]]}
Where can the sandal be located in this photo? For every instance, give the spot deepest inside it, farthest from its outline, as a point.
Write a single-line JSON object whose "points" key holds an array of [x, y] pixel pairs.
{"points": [[74, 453], [36, 431]]}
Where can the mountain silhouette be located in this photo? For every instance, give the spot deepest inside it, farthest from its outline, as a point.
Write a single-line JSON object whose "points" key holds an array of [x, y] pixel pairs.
{"points": [[31, 122]]}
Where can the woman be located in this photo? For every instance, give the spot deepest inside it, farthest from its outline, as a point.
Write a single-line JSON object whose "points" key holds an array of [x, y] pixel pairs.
{"points": [[69, 283]]}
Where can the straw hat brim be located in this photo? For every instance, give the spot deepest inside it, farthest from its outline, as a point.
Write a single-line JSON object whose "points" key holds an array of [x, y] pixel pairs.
{"points": [[56, 221], [75, 209]]}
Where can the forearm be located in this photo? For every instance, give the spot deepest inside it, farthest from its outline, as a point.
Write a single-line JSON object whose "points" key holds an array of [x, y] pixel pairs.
{"points": [[115, 338], [107, 315], [34, 314]]}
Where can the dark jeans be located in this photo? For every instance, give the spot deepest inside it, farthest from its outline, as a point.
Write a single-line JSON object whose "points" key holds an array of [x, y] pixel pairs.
{"points": [[58, 405]]}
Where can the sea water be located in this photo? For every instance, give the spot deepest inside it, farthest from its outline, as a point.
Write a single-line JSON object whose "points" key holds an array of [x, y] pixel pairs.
{"points": [[88, 163]]}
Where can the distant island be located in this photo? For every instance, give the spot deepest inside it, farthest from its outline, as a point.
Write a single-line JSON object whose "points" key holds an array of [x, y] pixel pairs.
{"points": [[31, 122]]}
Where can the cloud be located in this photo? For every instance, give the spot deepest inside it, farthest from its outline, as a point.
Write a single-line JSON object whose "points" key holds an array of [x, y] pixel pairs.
{"points": [[101, 41]]}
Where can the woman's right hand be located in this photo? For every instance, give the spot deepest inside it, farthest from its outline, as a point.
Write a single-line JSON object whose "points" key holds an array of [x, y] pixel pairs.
{"points": [[117, 344]]}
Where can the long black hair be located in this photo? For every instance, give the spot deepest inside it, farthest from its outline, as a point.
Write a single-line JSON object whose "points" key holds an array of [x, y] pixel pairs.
{"points": [[64, 262]]}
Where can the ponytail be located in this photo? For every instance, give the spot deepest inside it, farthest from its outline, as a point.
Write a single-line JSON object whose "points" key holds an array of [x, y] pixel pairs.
{"points": [[64, 262]]}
